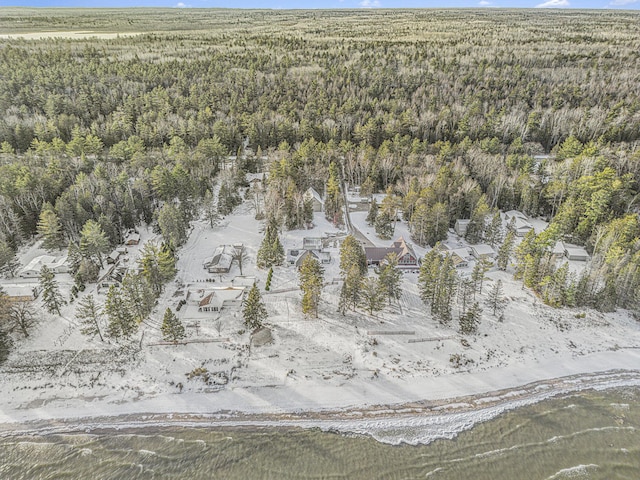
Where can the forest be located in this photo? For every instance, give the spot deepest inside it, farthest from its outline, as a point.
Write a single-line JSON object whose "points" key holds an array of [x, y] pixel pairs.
{"points": [[453, 114]]}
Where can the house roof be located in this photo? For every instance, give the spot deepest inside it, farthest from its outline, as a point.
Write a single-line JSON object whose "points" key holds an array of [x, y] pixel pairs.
{"points": [[49, 260], [399, 247], [220, 295], [515, 213], [575, 251], [312, 193], [483, 249], [463, 221]]}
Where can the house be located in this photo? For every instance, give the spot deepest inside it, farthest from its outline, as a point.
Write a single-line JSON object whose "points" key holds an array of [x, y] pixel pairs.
{"points": [[557, 252], [312, 243], [518, 222], [575, 252], [113, 257], [461, 226], [315, 198], [404, 252], [221, 260], [296, 257], [21, 293], [132, 239], [460, 257], [55, 264], [217, 299], [483, 251]]}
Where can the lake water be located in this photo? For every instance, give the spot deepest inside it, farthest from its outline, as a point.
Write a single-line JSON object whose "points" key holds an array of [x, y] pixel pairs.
{"points": [[594, 435]]}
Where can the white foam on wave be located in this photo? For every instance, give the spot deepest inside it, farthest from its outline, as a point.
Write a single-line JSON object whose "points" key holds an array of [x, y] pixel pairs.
{"points": [[573, 472]]}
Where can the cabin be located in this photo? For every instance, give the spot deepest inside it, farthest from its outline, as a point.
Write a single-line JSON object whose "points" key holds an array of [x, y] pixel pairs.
{"points": [[483, 251], [21, 293], [404, 252], [132, 239], [297, 256], [55, 264], [518, 222], [315, 198], [221, 260], [575, 253], [461, 226], [312, 243], [460, 257], [217, 299], [113, 257]]}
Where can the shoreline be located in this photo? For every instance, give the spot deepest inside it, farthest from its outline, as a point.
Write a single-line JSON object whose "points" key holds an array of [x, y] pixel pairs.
{"points": [[413, 423]]}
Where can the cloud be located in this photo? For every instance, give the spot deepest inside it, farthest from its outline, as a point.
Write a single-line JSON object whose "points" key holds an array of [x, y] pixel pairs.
{"points": [[618, 3], [484, 3], [554, 4], [369, 3], [181, 5]]}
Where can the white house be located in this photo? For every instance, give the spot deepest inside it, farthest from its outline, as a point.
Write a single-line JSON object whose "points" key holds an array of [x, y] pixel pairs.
{"points": [[315, 198], [574, 252], [218, 299], [483, 251], [461, 226], [55, 264], [221, 260]]}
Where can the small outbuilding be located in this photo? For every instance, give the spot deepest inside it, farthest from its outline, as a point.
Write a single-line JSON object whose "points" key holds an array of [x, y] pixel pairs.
{"points": [[315, 198], [575, 252], [461, 226], [483, 251]]}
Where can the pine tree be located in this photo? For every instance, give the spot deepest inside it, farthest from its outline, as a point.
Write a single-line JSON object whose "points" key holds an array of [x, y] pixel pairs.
{"points": [[5, 345], [371, 295], [172, 328], [173, 223], [476, 227], [158, 266], [384, 225], [93, 241], [50, 229], [121, 323], [493, 230], [89, 314], [495, 300], [50, 292], [470, 320], [311, 276], [254, 311], [138, 295], [428, 276], [466, 292], [504, 252], [271, 251], [390, 278], [373, 212], [352, 253], [333, 199], [351, 291], [481, 267], [446, 286]]}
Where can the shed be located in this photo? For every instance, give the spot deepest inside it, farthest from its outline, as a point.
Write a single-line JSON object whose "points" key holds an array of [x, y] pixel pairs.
{"points": [[483, 251], [461, 226], [575, 252], [315, 198]]}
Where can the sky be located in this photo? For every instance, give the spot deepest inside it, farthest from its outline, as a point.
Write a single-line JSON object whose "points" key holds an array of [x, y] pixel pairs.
{"points": [[304, 4]]}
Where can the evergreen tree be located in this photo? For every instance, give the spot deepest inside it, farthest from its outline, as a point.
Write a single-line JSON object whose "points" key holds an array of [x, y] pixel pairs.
{"points": [[504, 252], [271, 251], [371, 295], [172, 328], [121, 323], [5, 345], [384, 225], [428, 276], [495, 300], [254, 311], [352, 253], [470, 320], [446, 286], [493, 230], [138, 295], [466, 292], [93, 242], [351, 291], [373, 212], [477, 224], [89, 314], [50, 229], [311, 276], [50, 292], [333, 199], [390, 278], [481, 267], [158, 266], [173, 224]]}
